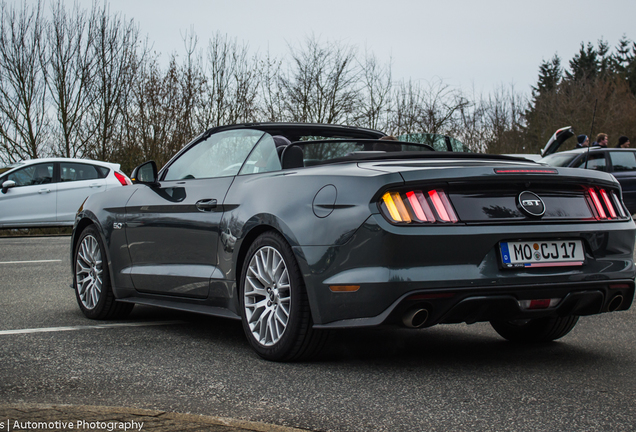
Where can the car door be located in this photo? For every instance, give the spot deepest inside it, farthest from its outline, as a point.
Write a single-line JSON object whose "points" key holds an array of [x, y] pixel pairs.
{"points": [[596, 160], [77, 182], [623, 164], [173, 227], [31, 202]]}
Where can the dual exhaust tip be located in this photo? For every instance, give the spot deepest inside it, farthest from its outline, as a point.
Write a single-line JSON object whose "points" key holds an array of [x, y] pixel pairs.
{"points": [[415, 317], [615, 303]]}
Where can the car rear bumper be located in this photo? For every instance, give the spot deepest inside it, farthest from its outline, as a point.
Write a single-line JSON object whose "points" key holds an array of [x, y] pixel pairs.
{"points": [[460, 269], [470, 305]]}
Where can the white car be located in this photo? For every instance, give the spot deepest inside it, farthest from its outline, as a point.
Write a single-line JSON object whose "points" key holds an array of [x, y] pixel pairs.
{"points": [[48, 192]]}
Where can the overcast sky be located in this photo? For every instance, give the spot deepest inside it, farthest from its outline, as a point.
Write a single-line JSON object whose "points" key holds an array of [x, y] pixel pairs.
{"points": [[466, 43]]}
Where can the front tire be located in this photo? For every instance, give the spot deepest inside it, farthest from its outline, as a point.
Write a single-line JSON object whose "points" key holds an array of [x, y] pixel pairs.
{"points": [[275, 309], [91, 279], [535, 330]]}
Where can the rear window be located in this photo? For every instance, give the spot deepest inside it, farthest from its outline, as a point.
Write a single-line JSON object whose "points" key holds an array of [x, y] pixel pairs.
{"points": [[79, 171], [623, 160]]}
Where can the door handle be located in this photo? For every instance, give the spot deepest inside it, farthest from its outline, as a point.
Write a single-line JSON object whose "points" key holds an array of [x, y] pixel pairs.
{"points": [[206, 204], [95, 185], [41, 191]]}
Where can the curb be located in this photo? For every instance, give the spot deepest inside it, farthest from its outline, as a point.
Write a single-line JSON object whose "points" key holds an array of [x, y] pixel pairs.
{"points": [[53, 417]]}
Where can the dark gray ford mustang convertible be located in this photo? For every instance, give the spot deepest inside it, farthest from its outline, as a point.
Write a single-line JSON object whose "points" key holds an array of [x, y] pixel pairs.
{"points": [[297, 229]]}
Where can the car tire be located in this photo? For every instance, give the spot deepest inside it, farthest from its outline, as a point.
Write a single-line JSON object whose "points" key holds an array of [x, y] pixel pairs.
{"points": [[91, 279], [535, 330], [274, 306]]}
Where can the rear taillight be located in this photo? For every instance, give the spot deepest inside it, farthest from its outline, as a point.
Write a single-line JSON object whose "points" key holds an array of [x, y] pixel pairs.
{"points": [[418, 207], [605, 205], [125, 181]]}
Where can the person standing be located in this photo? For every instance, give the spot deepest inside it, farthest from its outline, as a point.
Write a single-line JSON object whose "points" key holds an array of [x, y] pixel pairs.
{"points": [[601, 140], [582, 141], [623, 142]]}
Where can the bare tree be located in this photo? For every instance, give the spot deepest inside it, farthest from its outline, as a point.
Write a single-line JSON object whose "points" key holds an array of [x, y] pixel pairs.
{"points": [[117, 54], [270, 105], [23, 110], [231, 86], [192, 83], [321, 84], [430, 108], [375, 104], [505, 121], [470, 126], [71, 65]]}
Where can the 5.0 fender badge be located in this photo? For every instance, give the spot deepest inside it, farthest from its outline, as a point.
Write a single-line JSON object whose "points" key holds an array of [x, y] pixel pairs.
{"points": [[531, 204]]}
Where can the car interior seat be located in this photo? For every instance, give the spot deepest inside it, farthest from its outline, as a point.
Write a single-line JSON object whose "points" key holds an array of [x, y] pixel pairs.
{"points": [[292, 157]]}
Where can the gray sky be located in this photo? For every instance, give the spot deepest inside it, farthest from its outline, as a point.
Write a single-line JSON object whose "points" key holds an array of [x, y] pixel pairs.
{"points": [[466, 43]]}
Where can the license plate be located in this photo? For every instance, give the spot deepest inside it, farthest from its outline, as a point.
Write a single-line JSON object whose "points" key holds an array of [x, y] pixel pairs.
{"points": [[553, 253]]}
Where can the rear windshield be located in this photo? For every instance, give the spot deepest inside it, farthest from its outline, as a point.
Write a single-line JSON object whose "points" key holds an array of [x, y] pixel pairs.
{"points": [[323, 151]]}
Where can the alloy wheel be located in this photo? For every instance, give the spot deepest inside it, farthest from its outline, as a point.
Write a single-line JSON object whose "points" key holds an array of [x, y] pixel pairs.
{"points": [[88, 272], [267, 296]]}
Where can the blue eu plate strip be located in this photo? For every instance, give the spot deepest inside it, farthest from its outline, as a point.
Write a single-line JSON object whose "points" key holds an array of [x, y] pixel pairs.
{"points": [[505, 254]]}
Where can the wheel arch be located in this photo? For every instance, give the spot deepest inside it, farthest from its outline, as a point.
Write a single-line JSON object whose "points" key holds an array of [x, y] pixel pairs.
{"points": [[86, 220], [245, 245]]}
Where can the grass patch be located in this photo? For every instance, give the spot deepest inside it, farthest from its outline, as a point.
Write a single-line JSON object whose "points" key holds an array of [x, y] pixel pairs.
{"points": [[35, 232]]}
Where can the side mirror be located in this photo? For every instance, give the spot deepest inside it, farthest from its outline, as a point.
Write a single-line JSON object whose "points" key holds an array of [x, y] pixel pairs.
{"points": [[6, 185], [146, 173]]}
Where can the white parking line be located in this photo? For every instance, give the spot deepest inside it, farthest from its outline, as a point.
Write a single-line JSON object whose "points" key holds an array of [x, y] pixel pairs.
{"points": [[28, 262], [88, 327]]}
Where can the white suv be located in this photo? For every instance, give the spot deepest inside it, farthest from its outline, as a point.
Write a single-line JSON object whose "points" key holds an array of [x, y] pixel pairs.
{"points": [[48, 192]]}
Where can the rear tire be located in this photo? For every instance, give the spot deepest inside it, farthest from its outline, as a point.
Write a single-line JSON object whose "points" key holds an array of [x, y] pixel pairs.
{"points": [[91, 279], [274, 305], [535, 330]]}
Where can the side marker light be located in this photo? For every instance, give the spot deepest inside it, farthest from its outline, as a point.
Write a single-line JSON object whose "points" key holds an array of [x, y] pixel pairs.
{"points": [[344, 288]]}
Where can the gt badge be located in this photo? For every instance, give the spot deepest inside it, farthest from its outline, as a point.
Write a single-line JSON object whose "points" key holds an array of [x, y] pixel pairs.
{"points": [[531, 204]]}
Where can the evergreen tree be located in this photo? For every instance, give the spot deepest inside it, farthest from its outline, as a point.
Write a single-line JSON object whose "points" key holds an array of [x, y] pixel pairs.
{"points": [[585, 64], [622, 57], [624, 62], [550, 74]]}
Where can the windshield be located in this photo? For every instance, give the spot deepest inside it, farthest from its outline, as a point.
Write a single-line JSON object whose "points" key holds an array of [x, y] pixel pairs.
{"points": [[10, 167], [438, 142], [559, 159]]}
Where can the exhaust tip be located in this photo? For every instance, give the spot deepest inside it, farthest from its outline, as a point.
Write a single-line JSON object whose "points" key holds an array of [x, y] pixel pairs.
{"points": [[615, 303], [415, 318]]}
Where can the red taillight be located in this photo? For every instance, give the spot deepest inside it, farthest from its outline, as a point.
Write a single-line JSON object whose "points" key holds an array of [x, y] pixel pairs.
{"points": [[597, 204], [417, 206], [608, 204], [605, 205], [122, 179], [526, 171]]}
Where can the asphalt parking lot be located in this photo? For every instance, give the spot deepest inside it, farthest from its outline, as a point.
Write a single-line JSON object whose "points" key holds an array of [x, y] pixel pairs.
{"points": [[446, 378]]}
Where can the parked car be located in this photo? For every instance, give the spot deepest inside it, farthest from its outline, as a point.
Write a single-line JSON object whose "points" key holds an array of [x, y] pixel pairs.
{"points": [[620, 162], [298, 229], [48, 192], [553, 144]]}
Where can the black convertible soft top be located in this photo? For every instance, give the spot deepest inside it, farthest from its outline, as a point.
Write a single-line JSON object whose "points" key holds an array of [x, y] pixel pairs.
{"points": [[294, 131]]}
